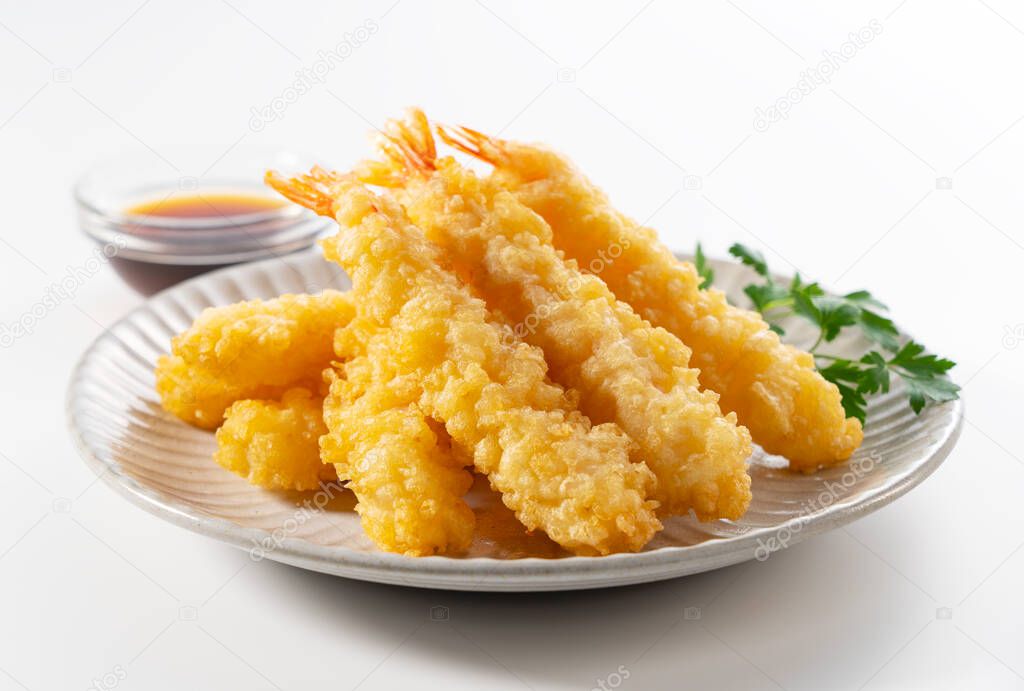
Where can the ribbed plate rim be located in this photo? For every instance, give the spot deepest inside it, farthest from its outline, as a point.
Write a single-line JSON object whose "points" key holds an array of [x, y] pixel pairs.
{"points": [[478, 573]]}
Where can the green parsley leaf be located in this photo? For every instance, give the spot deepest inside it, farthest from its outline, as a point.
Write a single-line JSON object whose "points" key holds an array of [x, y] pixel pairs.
{"points": [[830, 314], [764, 295], [846, 375], [835, 313], [926, 390], [803, 304], [841, 370], [924, 375], [809, 289], [706, 273], [751, 258], [913, 360], [854, 404], [863, 297], [875, 376], [879, 329]]}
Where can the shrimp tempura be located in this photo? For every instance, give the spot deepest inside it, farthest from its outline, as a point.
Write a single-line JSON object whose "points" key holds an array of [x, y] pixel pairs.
{"points": [[772, 387], [249, 350], [275, 444], [556, 472], [626, 371], [409, 485]]}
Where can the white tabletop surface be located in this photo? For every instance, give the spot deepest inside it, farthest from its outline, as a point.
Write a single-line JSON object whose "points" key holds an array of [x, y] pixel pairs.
{"points": [[901, 174]]}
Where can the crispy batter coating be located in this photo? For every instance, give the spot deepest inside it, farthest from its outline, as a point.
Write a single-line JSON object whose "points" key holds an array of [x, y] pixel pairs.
{"points": [[275, 444], [626, 371], [556, 472], [256, 349], [397, 461], [773, 388]]}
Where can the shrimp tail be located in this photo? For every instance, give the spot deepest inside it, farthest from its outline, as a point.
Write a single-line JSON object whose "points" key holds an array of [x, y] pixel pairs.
{"points": [[316, 190], [408, 151], [477, 144]]}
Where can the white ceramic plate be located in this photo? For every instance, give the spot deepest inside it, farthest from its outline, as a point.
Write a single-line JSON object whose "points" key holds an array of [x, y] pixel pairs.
{"points": [[165, 466]]}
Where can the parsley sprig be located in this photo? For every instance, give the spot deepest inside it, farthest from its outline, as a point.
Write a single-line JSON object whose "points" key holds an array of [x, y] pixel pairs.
{"points": [[924, 375]]}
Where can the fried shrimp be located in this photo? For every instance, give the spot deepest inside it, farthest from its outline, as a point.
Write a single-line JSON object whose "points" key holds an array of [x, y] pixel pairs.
{"points": [[556, 472], [275, 444], [250, 350], [626, 371], [400, 466], [772, 387]]}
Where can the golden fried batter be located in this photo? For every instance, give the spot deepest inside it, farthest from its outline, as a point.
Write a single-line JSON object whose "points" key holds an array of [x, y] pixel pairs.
{"points": [[255, 349], [558, 474], [274, 444], [626, 371], [773, 388], [401, 468]]}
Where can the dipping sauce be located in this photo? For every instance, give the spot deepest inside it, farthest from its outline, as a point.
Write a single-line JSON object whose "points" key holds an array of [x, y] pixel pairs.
{"points": [[226, 218], [209, 205]]}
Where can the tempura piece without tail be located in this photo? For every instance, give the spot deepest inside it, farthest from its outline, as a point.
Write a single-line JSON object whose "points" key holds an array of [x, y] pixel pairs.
{"points": [[275, 444], [773, 388], [409, 484], [249, 350], [626, 371], [556, 472]]}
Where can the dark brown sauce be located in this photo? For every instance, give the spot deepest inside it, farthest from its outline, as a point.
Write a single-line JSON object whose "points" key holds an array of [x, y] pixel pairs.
{"points": [[211, 205]]}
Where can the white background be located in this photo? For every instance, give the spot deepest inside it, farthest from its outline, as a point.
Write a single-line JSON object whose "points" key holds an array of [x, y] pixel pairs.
{"points": [[844, 189]]}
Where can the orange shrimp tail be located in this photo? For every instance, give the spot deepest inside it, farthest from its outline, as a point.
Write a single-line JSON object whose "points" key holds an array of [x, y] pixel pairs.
{"points": [[408, 149], [315, 190], [476, 144]]}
